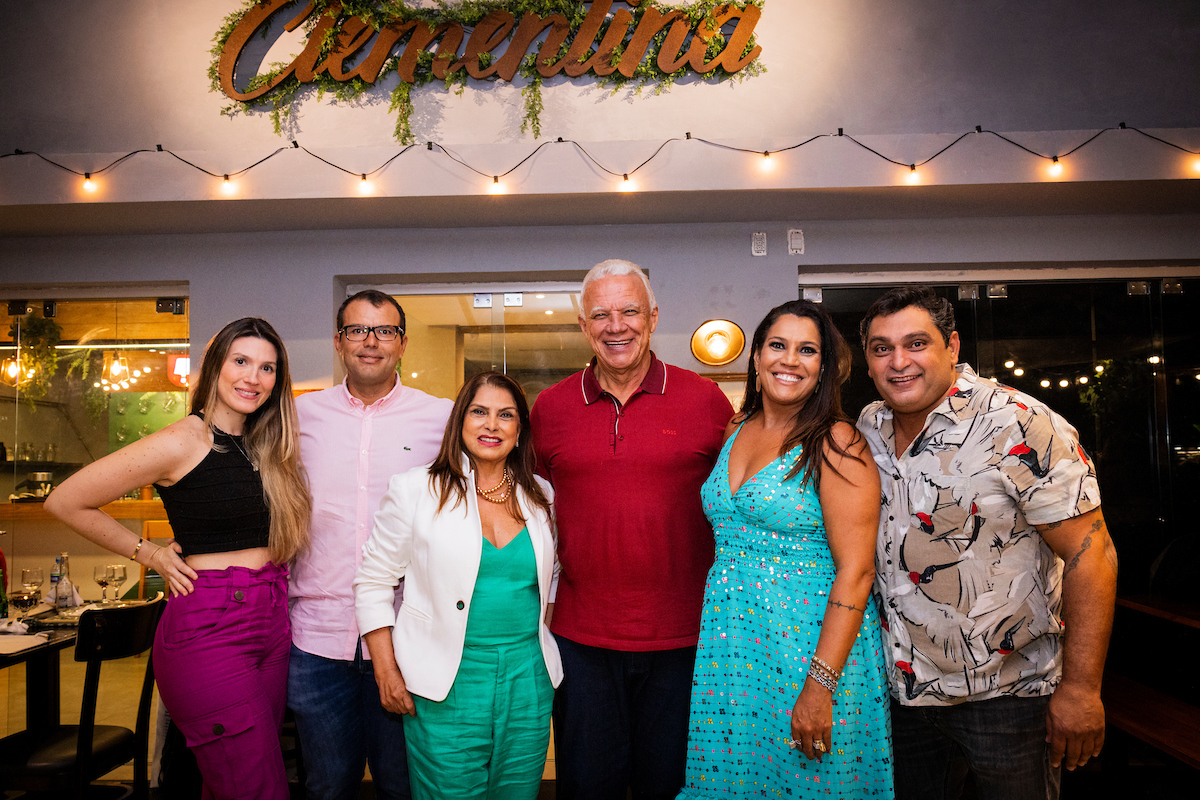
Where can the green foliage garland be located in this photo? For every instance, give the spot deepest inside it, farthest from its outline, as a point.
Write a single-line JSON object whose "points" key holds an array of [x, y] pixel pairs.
{"points": [[281, 101]]}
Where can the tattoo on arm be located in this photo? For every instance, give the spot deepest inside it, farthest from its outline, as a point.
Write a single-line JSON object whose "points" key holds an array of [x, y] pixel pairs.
{"points": [[1087, 542], [1051, 526], [845, 606]]}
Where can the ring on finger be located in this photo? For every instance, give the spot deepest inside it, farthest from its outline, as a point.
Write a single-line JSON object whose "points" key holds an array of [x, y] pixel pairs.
{"points": [[818, 745]]}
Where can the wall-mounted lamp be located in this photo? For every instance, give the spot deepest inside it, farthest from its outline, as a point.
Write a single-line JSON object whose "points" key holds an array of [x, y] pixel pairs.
{"points": [[718, 342]]}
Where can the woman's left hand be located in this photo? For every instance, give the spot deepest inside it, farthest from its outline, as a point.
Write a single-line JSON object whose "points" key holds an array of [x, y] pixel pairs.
{"points": [[812, 720]]}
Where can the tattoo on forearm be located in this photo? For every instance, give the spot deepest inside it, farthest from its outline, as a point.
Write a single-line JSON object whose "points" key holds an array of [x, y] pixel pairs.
{"points": [[843, 605], [1087, 542]]}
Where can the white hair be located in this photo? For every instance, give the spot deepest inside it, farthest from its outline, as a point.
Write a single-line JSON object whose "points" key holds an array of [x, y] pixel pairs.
{"points": [[615, 267]]}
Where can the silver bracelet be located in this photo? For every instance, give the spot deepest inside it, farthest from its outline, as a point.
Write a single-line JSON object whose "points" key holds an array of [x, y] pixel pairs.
{"points": [[823, 680]]}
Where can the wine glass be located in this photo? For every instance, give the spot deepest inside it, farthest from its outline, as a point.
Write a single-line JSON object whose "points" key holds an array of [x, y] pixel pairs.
{"points": [[102, 575], [32, 579], [116, 577]]}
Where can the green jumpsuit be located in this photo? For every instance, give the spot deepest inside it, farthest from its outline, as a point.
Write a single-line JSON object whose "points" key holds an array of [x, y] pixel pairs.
{"points": [[488, 738]]}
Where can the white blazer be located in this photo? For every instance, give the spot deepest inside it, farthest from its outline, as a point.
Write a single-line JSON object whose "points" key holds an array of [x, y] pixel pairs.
{"points": [[438, 556]]}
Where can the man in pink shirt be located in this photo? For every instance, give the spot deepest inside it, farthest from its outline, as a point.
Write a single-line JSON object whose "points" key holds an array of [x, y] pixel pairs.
{"points": [[353, 438]]}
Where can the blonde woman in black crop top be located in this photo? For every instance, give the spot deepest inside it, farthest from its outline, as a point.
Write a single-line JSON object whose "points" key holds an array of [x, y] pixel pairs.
{"points": [[235, 493]]}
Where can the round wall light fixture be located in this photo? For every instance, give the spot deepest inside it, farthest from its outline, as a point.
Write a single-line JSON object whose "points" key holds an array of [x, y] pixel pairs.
{"points": [[718, 342]]}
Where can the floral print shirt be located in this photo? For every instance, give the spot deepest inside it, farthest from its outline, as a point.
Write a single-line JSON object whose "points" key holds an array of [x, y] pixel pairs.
{"points": [[969, 592]]}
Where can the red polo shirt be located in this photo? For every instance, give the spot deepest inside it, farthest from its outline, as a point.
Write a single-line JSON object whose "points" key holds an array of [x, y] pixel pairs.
{"points": [[633, 542]]}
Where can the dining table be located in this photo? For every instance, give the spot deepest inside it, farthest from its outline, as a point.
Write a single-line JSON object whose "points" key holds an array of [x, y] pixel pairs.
{"points": [[41, 677]]}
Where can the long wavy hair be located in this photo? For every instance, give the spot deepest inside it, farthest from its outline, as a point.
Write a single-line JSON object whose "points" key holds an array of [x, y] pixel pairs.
{"points": [[446, 475], [812, 427], [271, 435]]}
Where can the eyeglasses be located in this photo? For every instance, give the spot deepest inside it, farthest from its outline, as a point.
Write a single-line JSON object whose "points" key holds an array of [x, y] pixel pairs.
{"points": [[359, 333]]}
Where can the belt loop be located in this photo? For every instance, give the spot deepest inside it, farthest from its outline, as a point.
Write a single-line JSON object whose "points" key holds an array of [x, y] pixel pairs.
{"points": [[239, 583]]}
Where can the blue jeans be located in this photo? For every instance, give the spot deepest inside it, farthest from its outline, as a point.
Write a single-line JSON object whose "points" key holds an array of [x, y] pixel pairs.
{"points": [[621, 721], [342, 727], [1001, 742]]}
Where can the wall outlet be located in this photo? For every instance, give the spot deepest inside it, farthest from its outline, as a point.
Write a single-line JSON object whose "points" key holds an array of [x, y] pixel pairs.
{"points": [[758, 243]]}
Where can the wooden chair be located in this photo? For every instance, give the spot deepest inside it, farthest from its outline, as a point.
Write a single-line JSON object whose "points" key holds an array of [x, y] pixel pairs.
{"points": [[66, 759], [155, 531]]}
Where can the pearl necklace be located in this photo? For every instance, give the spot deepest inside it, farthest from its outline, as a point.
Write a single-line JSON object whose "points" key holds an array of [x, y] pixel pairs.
{"points": [[504, 487]]}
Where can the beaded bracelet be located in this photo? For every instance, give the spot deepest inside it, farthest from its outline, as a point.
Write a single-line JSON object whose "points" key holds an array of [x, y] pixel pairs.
{"points": [[823, 680], [835, 674]]}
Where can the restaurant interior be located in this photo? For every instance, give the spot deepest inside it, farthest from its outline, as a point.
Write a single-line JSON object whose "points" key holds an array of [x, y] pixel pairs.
{"points": [[1074, 279]]}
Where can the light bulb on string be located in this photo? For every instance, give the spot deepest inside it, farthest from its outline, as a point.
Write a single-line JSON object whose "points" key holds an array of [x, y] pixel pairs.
{"points": [[1083, 379], [89, 185], [364, 185], [228, 186], [1018, 372], [1196, 164], [1064, 383], [1099, 368], [626, 185], [913, 177], [1056, 168], [767, 164], [496, 186], [1045, 384], [1009, 364]]}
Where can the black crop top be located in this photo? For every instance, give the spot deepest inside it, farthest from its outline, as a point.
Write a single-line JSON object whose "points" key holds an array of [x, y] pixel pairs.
{"points": [[219, 506]]}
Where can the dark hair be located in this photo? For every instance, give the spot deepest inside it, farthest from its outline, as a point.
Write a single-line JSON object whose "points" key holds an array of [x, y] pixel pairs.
{"points": [[446, 473], [897, 299], [812, 429], [375, 298], [271, 434]]}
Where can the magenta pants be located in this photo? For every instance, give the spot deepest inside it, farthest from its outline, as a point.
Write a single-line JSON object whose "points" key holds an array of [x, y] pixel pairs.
{"points": [[221, 661]]}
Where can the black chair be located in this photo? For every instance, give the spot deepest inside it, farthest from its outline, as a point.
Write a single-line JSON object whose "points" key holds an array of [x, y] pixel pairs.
{"points": [[68, 758]]}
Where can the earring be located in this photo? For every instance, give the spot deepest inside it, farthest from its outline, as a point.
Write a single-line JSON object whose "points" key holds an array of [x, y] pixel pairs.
{"points": [[757, 383]]}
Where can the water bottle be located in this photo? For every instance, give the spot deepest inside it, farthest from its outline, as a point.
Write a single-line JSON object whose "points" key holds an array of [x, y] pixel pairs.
{"points": [[55, 574], [65, 597]]}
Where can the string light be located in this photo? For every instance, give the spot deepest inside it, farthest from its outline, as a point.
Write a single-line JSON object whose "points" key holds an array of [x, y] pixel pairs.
{"points": [[1009, 364], [1055, 167], [1064, 383], [227, 186], [1083, 378], [496, 186], [1154, 360], [364, 185], [626, 185], [1099, 368], [1045, 384], [1018, 372]]}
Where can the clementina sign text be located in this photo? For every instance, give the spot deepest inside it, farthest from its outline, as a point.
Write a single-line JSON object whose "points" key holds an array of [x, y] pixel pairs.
{"points": [[621, 48]]}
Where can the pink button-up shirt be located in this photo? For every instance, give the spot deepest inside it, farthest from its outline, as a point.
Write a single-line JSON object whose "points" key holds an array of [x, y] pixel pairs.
{"points": [[350, 451]]}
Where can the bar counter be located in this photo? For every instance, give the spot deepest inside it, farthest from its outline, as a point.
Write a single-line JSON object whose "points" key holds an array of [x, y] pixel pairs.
{"points": [[121, 509]]}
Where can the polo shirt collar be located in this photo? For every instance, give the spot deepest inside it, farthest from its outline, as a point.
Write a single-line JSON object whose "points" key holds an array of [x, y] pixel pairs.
{"points": [[655, 381], [355, 404]]}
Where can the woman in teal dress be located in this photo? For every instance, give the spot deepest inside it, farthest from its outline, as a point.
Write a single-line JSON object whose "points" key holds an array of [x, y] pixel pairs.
{"points": [[789, 694], [467, 657]]}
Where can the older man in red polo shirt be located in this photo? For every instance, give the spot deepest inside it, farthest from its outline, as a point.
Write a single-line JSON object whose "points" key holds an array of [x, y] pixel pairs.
{"points": [[627, 444]]}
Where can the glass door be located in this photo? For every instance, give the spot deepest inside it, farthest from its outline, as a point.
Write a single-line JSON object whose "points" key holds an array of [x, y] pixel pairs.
{"points": [[532, 336]]}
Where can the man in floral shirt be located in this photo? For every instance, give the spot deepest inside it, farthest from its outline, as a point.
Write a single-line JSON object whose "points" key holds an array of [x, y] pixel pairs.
{"points": [[991, 548]]}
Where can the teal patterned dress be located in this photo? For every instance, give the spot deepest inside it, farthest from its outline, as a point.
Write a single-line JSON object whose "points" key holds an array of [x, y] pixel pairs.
{"points": [[763, 608]]}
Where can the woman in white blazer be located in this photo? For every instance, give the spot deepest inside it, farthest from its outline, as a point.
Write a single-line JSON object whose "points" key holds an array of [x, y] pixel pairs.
{"points": [[468, 657]]}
